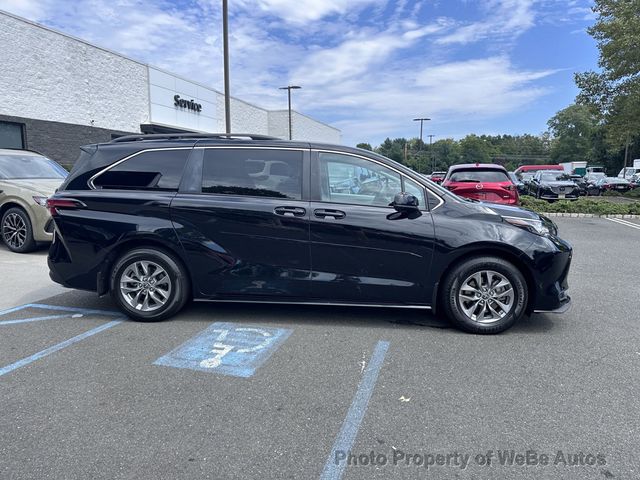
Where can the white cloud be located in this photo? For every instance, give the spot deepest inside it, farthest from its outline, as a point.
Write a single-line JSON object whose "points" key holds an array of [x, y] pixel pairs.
{"points": [[301, 11], [504, 18], [32, 9], [454, 91]]}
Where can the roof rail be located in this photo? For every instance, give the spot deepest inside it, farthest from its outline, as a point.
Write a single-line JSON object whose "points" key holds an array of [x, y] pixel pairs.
{"points": [[177, 136]]}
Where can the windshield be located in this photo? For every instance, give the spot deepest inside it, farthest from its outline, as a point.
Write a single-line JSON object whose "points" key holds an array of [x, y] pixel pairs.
{"points": [[13, 167], [553, 177], [479, 175]]}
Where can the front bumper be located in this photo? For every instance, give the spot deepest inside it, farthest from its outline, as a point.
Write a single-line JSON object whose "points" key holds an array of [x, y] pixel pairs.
{"points": [[550, 259], [564, 307], [554, 196]]}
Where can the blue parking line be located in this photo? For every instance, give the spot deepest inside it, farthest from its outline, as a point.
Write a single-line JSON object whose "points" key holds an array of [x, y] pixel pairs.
{"points": [[14, 309], [55, 348], [86, 311], [35, 319], [334, 469], [43, 306]]}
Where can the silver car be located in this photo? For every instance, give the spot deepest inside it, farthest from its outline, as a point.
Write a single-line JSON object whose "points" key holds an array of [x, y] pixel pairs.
{"points": [[27, 179]]}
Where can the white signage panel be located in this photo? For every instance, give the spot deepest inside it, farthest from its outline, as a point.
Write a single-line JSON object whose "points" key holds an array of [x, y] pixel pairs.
{"points": [[179, 103]]}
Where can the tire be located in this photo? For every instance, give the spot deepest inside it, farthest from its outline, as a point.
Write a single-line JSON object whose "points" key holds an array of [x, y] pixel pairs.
{"points": [[165, 280], [17, 231], [460, 281]]}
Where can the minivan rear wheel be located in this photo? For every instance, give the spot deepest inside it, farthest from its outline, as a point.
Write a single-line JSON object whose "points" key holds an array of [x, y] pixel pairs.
{"points": [[149, 284], [485, 295]]}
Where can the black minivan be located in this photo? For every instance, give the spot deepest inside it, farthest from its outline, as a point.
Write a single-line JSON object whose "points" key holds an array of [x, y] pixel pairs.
{"points": [[158, 220]]}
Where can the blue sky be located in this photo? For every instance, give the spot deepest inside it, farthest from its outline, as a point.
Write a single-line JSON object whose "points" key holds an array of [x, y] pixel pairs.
{"points": [[366, 66]]}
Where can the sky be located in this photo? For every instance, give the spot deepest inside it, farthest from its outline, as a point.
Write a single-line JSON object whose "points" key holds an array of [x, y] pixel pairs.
{"points": [[367, 67]]}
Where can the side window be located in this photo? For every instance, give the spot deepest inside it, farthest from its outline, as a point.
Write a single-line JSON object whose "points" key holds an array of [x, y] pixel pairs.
{"points": [[353, 180], [152, 170], [416, 190], [253, 172]]}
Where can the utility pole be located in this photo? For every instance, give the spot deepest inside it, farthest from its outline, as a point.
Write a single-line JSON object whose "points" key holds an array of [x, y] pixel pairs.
{"points": [[626, 153], [421, 120], [288, 88], [433, 160], [227, 94]]}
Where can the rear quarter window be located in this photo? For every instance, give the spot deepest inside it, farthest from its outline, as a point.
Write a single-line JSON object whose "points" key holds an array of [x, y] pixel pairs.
{"points": [[151, 170]]}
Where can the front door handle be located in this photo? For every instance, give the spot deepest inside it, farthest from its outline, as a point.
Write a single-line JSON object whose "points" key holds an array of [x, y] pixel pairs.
{"points": [[326, 212], [292, 211]]}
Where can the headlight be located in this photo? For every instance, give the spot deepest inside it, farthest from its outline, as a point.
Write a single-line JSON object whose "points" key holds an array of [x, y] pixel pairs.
{"points": [[42, 201], [534, 226]]}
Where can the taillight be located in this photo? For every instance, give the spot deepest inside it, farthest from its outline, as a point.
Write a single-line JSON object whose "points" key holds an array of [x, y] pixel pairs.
{"points": [[54, 204], [511, 188]]}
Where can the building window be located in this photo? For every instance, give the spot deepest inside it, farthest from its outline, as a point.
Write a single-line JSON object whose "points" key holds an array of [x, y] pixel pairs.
{"points": [[11, 135]]}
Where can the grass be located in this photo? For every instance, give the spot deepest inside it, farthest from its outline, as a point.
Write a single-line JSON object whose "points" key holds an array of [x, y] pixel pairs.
{"points": [[583, 205]]}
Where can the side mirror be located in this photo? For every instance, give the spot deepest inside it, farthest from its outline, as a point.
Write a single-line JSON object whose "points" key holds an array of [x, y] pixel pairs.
{"points": [[405, 202]]}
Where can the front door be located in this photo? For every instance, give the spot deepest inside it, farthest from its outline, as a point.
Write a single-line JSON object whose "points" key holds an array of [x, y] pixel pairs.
{"points": [[362, 250], [245, 230]]}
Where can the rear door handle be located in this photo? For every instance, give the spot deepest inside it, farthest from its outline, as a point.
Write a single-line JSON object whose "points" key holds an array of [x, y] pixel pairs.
{"points": [[325, 212], [290, 211]]}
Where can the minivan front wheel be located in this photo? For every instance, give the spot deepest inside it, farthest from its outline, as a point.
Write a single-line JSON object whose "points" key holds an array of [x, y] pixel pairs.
{"points": [[148, 284], [485, 295]]}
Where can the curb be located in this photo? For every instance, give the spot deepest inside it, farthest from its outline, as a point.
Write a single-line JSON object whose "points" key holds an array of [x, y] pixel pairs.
{"points": [[587, 215]]}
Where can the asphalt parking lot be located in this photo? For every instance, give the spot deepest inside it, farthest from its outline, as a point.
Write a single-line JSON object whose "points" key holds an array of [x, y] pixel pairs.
{"points": [[250, 391]]}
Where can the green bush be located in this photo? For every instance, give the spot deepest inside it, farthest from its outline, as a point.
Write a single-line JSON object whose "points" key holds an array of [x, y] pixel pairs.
{"points": [[582, 205]]}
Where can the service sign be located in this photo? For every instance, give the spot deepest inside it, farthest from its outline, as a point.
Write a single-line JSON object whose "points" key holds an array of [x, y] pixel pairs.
{"points": [[176, 102]]}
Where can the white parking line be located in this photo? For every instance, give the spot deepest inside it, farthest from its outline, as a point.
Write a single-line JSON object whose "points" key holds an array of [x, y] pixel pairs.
{"points": [[625, 223]]}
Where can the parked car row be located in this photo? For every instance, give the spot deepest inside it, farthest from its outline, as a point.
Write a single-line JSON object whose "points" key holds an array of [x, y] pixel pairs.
{"points": [[492, 183]]}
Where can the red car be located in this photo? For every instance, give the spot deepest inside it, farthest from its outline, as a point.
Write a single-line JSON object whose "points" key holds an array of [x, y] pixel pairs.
{"points": [[482, 181], [534, 168], [438, 177]]}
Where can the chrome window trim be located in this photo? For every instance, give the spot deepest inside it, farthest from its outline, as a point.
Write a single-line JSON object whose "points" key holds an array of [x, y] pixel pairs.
{"points": [[122, 160], [402, 174], [243, 147]]}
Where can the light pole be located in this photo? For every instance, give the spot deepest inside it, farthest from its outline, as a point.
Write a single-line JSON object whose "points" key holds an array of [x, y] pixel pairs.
{"points": [[288, 88], [227, 94]]}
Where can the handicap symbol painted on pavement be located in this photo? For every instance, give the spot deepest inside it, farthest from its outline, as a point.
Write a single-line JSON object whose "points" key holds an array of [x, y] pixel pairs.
{"points": [[227, 348]]}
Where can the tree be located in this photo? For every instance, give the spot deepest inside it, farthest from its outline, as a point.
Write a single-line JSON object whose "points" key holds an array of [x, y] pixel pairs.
{"points": [[393, 149], [365, 146], [474, 149], [573, 130], [615, 91]]}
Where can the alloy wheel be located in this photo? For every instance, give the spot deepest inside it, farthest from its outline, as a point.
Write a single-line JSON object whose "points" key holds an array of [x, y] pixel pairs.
{"points": [[14, 231], [145, 286], [486, 296]]}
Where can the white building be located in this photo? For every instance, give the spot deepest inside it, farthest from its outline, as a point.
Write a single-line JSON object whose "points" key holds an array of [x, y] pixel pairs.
{"points": [[58, 92]]}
